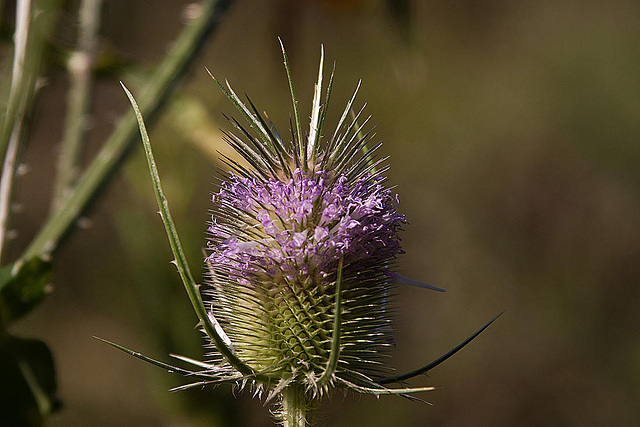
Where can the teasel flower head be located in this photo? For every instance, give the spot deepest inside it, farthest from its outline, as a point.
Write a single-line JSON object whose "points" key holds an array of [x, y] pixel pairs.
{"points": [[301, 257], [310, 212]]}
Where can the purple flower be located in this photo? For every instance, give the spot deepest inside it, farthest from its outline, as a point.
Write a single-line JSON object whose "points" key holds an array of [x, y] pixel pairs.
{"points": [[302, 246], [302, 224], [306, 224]]}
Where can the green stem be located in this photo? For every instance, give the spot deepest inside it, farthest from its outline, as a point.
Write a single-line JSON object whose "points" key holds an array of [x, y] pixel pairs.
{"points": [[12, 126], [124, 136], [80, 69], [9, 169], [34, 22], [295, 406], [19, 76]]}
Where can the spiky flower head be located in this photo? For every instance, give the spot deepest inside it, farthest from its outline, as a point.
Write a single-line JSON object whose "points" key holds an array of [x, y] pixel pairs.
{"points": [[302, 247], [309, 223]]}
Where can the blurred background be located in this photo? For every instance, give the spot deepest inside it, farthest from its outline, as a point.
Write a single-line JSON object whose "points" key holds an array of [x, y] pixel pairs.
{"points": [[514, 135]]}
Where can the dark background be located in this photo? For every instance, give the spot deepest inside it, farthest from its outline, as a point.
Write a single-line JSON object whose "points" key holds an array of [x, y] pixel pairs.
{"points": [[513, 130]]}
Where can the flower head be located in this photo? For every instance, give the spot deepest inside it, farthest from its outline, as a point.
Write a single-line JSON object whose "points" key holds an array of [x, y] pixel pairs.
{"points": [[275, 250], [302, 246], [310, 212]]}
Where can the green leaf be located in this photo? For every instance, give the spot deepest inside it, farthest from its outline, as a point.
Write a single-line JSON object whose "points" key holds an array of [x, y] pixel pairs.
{"points": [[296, 112], [27, 382], [439, 360], [208, 322], [329, 372], [314, 125], [147, 359], [23, 285]]}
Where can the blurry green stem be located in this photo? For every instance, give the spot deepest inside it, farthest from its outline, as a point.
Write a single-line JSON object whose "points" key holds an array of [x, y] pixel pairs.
{"points": [[22, 83], [18, 80], [6, 186], [295, 406], [9, 172], [20, 37], [116, 147], [80, 67]]}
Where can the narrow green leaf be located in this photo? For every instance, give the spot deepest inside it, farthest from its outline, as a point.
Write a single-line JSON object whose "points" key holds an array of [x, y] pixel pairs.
{"points": [[384, 390], [439, 360], [296, 111], [335, 139], [334, 355], [248, 115], [256, 161], [324, 109], [314, 134], [195, 362], [147, 359], [344, 142], [180, 259], [399, 279], [277, 146]]}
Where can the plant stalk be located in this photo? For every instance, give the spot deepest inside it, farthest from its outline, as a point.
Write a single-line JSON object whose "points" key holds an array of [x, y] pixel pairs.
{"points": [[295, 406], [10, 137], [110, 157], [34, 22], [80, 69]]}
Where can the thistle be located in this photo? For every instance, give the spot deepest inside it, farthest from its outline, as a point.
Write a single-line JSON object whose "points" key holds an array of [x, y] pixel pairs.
{"points": [[302, 249]]}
